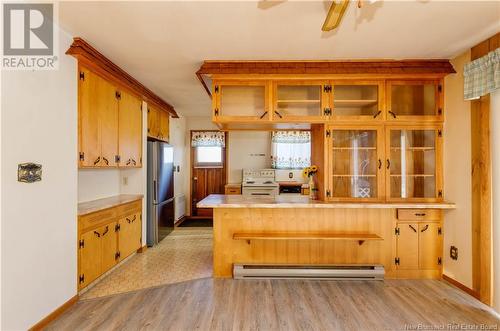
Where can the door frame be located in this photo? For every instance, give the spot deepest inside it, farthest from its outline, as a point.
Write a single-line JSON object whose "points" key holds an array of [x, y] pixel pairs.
{"points": [[191, 160]]}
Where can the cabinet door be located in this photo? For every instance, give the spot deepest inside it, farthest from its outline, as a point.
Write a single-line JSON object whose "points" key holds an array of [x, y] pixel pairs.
{"points": [[89, 138], [107, 99], [164, 122], [130, 129], [240, 101], [414, 163], [90, 257], [407, 246], [109, 246], [429, 245], [153, 122], [129, 235], [355, 165], [415, 100], [358, 100], [301, 101]]}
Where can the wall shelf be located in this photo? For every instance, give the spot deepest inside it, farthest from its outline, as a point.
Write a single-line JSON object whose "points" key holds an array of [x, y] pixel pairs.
{"points": [[354, 103], [359, 237]]}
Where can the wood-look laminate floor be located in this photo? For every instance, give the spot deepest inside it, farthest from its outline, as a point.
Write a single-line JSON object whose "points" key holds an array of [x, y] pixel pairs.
{"points": [[227, 304]]}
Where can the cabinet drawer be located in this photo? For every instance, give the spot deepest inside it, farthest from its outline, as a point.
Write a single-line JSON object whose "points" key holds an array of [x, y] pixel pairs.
{"points": [[129, 208], [94, 220], [233, 190], [419, 214]]}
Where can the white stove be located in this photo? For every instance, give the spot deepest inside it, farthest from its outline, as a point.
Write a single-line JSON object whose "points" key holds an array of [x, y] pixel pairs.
{"points": [[259, 182]]}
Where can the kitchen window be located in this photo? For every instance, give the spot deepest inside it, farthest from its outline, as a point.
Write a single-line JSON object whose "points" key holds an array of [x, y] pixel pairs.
{"points": [[208, 156], [291, 149], [208, 149]]}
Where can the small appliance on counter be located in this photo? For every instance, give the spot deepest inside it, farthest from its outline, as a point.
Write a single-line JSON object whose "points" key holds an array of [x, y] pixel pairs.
{"points": [[259, 182], [290, 181]]}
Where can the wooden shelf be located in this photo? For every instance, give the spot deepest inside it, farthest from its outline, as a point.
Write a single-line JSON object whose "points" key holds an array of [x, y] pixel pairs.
{"points": [[359, 237], [353, 148], [346, 175], [298, 101], [354, 103], [415, 148], [412, 175]]}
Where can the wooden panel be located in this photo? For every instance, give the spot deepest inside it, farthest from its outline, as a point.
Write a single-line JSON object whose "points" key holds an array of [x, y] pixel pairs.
{"points": [[95, 220], [163, 126], [109, 246], [90, 260], [107, 103], [89, 138], [419, 215], [319, 157], [130, 130], [429, 245], [129, 208], [129, 236], [407, 246], [153, 122]]}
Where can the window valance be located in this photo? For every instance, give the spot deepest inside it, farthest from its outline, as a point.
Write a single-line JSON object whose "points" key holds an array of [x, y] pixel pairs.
{"points": [[208, 139], [482, 76], [291, 137]]}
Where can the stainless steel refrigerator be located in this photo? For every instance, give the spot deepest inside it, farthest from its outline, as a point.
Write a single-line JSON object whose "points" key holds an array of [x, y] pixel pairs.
{"points": [[160, 197]]}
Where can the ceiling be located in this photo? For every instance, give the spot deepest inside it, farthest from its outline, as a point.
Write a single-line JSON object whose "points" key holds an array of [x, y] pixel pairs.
{"points": [[162, 44]]}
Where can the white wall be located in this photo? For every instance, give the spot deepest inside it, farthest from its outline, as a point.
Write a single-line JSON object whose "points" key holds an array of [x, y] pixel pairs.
{"points": [[245, 150], [495, 158], [97, 183], [457, 176], [181, 150], [39, 229]]}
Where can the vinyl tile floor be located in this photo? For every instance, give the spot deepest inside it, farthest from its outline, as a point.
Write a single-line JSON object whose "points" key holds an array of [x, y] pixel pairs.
{"points": [[185, 254]]}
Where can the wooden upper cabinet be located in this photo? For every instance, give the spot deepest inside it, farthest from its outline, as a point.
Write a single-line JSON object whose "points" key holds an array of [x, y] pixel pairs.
{"points": [[164, 126], [108, 118], [158, 123], [358, 100], [130, 130], [240, 101], [412, 100], [89, 133], [296, 101]]}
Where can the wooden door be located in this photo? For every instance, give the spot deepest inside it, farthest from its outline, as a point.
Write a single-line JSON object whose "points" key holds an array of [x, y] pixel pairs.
{"points": [[429, 245], [109, 246], [130, 130], [358, 100], [129, 235], [107, 97], [153, 122], [243, 101], [89, 139], [407, 246], [163, 124], [90, 257]]}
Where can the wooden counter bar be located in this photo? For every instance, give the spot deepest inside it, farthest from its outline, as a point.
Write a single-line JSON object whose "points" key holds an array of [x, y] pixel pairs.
{"points": [[404, 237]]}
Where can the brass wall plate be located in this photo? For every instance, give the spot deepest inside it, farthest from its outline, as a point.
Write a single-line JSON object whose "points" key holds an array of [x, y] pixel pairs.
{"points": [[29, 172]]}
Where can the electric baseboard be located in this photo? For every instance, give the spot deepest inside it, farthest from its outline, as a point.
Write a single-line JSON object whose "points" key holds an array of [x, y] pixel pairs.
{"points": [[305, 271]]}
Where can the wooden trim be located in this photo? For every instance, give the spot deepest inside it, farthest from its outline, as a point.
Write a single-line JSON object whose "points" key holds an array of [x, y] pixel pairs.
{"points": [[93, 59], [461, 286], [55, 314], [142, 249]]}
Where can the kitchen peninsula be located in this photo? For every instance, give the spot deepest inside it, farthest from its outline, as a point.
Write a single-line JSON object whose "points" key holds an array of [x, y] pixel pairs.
{"points": [[406, 238]]}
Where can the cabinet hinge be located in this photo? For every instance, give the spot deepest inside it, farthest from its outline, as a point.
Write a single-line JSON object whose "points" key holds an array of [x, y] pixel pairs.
{"points": [[81, 243], [440, 133], [440, 111], [81, 278], [117, 227], [216, 89], [440, 232], [328, 193], [327, 111], [396, 261], [439, 261], [117, 158], [440, 88], [82, 156], [216, 111], [118, 95], [327, 88], [396, 231], [440, 194], [82, 75], [328, 133], [117, 255]]}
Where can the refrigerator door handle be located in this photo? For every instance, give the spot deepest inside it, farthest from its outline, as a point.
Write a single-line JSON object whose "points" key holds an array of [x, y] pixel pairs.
{"points": [[154, 191]]}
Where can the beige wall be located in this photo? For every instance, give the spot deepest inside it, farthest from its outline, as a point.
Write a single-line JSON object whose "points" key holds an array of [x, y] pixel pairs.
{"points": [[457, 176], [250, 150]]}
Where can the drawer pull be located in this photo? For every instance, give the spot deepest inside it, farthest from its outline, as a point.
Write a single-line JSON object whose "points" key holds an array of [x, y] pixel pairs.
{"points": [[105, 231], [411, 227], [425, 228], [105, 160], [420, 214], [97, 234], [131, 220], [97, 160]]}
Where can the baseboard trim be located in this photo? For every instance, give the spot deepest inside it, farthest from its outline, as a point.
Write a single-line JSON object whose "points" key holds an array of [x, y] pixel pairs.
{"points": [[55, 314], [142, 249], [461, 286]]}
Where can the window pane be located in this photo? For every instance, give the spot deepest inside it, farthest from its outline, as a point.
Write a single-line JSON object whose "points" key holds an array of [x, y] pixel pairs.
{"points": [[209, 154]]}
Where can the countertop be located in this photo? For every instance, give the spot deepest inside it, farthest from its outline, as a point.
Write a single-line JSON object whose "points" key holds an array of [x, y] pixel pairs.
{"points": [[284, 201], [88, 207]]}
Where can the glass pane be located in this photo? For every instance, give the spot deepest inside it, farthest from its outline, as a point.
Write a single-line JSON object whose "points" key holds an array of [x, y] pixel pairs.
{"points": [[355, 100], [299, 100], [208, 154], [413, 163], [413, 99], [355, 163], [242, 100]]}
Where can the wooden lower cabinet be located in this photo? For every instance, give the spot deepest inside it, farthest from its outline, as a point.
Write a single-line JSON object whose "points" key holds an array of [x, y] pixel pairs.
{"points": [[105, 238]]}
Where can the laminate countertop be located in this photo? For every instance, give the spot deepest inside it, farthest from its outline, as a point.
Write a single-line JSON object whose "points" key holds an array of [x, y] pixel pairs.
{"points": [[284, 201], [93, 206]]}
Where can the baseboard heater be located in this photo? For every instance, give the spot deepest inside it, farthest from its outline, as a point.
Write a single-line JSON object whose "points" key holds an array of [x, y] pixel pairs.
{"points": [[306, 271]]}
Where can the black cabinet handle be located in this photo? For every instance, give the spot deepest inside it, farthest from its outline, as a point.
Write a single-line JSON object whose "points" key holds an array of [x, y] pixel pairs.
{"points": [[425, 228], [97, 234], [97, 160], [105, 160], [277, 113], [262, 116], [392, 114], [411, 227], [105, 231], [378, 113], [419, 214], [388, 162], [131, 220], [379, 163]]}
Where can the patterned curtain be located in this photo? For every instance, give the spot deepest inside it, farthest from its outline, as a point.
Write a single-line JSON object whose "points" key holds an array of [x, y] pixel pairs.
{"points": [[208, 139], [291, 149], [482, 76]]}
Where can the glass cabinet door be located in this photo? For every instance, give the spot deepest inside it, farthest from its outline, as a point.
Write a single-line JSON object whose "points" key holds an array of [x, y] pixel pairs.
{"points": [[412, 163], [299, 101], [412, 100], [357, 101], [355, 164], [240, 101]]}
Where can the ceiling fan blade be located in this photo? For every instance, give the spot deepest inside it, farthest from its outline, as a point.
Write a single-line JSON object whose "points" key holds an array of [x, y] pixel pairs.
{"points": [[334, 15]]}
